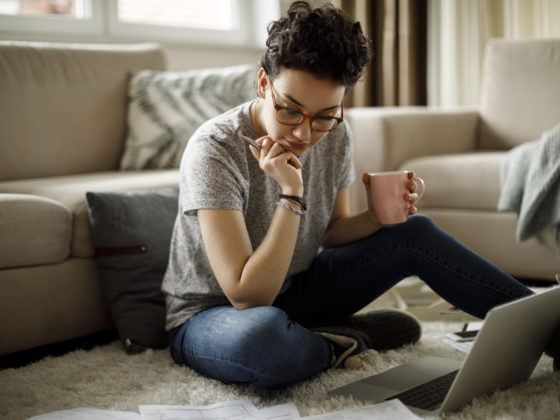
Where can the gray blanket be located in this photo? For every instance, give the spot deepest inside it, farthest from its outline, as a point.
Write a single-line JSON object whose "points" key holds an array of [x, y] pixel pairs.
{"points": [[530, 185]]}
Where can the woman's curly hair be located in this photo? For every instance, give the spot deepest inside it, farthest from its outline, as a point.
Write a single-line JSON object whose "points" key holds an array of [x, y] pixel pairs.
{"points": [[322, 41]]}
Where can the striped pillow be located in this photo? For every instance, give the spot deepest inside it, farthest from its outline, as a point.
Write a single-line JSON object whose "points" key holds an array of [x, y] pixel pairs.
{"points": [[165, 108]]}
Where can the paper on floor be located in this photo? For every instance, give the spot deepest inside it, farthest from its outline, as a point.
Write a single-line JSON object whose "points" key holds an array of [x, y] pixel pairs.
{"points": [[235, 410], [388, 410], [86, 413]]}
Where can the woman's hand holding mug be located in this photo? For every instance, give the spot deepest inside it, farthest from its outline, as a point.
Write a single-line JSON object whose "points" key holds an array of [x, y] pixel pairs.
{"points": [[393, 195]]}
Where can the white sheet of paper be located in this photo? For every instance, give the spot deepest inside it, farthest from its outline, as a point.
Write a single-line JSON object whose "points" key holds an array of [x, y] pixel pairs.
{"points": [[286, 411], [465, 346], [388, 410], [235, 410], [86, 413], [474, 325]]}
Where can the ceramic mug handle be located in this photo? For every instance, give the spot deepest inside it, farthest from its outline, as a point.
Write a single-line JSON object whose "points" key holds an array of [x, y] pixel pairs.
{"points": [[419, 182]]}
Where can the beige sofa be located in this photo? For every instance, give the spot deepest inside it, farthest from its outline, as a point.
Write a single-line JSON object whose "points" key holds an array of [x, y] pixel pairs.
{"points": [[63, 117], [459, 152]]}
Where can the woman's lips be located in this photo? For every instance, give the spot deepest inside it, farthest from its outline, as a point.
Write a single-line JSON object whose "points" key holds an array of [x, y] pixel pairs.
{"points": [[295, 147]]}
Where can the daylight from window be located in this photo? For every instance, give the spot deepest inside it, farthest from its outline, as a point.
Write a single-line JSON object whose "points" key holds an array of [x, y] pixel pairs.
{"points": [[207, 14], [211, 22], [76, 9], [201, 14]]}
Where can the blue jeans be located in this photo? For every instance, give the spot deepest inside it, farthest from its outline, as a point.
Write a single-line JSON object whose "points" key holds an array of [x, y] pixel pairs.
{"points": [[271, 347]]}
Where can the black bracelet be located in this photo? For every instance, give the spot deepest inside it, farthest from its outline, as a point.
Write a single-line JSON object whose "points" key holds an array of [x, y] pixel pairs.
{"points": [[295, 199]]}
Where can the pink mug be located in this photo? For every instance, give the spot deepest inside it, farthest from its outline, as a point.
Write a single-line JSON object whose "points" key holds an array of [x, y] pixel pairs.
{"points": [[388, 193]]}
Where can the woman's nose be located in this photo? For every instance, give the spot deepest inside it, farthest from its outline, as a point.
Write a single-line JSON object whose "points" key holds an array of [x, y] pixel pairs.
{"points": [[303, 130]]}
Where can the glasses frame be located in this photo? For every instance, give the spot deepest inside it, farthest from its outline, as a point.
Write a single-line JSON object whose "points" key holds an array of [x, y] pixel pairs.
{"points": [[311, 117]]}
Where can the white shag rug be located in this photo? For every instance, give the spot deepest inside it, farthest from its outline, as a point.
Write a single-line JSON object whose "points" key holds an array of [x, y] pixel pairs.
{"points": [[107, 378]]}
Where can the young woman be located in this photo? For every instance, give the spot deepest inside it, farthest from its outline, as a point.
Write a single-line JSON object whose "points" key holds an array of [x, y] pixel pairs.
{"points": [[251, 297]]}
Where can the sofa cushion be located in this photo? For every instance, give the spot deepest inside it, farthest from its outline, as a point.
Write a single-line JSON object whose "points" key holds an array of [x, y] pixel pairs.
{"points": [[467, 180], [165, 109], [71, 190], [491, 234], [131, 232], [520, 91], [63, 106], [33, 230]]}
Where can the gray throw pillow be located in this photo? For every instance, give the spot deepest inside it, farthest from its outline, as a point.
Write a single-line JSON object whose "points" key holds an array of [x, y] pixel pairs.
{"points": [[131, 233]]}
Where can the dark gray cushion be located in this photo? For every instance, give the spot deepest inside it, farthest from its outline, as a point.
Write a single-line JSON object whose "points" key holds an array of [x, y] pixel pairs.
{"points": [[131, 232]]}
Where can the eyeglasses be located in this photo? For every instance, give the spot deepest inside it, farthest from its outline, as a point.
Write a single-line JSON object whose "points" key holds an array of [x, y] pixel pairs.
{"points": [[292, 117]]}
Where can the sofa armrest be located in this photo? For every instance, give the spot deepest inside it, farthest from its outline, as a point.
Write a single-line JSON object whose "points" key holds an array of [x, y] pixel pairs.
{"points": [[384, 138]]}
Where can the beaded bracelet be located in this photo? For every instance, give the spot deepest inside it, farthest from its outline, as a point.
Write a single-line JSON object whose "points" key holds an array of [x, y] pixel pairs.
{"points": [[301, 213], [296, 200]]}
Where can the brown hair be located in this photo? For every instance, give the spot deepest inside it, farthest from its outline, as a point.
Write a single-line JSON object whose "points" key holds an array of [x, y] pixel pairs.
{"points": [[322, 41]]}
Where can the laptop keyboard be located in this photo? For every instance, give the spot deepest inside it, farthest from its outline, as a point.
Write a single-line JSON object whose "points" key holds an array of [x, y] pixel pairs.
{"points": [[429, 395]]}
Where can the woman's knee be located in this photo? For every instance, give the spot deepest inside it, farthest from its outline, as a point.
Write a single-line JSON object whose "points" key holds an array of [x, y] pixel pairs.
{"points": [[269, 331], [259, 345], [421, 221], [418, 226], [233, 330], [260, 323]]}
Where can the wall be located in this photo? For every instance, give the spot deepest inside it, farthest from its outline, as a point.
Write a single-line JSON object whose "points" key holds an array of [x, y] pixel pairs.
{"points": [[190, 56]]}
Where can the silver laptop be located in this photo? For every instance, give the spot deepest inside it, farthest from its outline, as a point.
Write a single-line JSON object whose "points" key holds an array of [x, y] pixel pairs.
{"points": [[505, 352]]}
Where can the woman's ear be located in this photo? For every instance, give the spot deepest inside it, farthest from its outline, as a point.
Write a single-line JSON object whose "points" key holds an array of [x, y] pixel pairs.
{"points": [[262, 82]]}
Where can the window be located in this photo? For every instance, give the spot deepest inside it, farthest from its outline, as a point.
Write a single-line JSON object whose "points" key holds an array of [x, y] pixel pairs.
{"points": [[208, 14], [53, 16], [208, 21], [225, 22], [75, 9]]}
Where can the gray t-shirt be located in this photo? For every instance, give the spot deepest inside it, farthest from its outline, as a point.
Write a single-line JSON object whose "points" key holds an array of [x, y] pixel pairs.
{"points": [[218, 171]]}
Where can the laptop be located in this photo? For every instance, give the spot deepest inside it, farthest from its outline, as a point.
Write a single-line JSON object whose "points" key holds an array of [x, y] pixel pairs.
{"points": [[504, 353]]}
